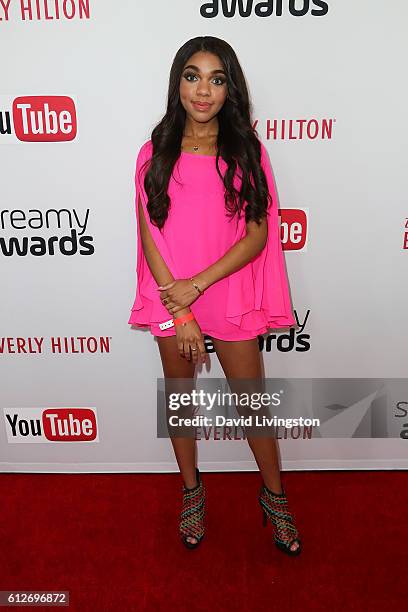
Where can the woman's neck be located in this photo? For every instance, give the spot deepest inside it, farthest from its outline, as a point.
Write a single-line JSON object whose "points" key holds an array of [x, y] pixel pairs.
{"points": [[198, 131]]}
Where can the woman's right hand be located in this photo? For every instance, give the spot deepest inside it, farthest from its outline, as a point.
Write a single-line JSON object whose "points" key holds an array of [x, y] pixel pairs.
{"points": [[189, 335]]}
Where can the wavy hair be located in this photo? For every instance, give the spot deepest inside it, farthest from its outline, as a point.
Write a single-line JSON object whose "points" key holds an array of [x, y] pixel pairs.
{"points": [[237, 142]]}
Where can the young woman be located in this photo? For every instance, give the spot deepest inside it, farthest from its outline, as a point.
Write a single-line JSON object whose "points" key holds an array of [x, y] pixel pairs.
{"points": [[209, 257]]}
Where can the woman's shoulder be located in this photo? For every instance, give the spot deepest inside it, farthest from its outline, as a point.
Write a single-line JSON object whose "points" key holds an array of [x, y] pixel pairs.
{"points": [[145, 151], [265, 159], [264, 151], [143, 156]]}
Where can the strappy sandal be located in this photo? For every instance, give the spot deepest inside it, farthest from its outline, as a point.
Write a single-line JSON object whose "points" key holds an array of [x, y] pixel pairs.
{"points": [[275, 507], [192, 513]]}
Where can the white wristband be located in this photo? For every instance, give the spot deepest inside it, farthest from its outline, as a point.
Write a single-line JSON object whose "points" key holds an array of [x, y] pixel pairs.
{"points": [[166, 324]]}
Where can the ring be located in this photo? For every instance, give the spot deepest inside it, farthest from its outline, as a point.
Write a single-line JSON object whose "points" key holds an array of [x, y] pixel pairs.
{"points": [[193, 349]]}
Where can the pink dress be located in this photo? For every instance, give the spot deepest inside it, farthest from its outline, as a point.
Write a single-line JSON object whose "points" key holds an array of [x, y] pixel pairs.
{"points": [[196, 234]]}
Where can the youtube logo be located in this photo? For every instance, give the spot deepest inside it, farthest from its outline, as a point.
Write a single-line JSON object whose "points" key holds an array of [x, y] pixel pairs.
{"points": [[294, 229], [45, 425], [37, 119]]}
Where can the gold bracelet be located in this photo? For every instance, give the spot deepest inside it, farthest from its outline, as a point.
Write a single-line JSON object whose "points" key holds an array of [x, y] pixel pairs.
{"points": [[197, 287]]}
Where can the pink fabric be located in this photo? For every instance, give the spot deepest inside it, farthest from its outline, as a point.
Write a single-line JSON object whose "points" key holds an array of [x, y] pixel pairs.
{"points": [[196, 234]]}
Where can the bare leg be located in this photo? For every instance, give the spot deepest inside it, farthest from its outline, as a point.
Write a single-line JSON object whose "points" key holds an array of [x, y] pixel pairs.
{"points": [[241, 359], [175, 366]]}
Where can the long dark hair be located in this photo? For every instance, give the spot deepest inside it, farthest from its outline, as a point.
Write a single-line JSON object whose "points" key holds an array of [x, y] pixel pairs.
{"points": [[237, 143]]}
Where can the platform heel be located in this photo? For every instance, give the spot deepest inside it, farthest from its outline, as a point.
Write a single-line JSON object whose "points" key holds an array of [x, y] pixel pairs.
{"points": [[192, 513], [275, 507]]}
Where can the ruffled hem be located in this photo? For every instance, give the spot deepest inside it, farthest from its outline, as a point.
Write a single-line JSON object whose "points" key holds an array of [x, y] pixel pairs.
{"points": [[256, 322], [244, 322], [139, 319], [146, 311]]}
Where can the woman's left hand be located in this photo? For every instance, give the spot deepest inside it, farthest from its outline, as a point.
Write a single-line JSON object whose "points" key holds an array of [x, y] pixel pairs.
{"points": [[178, 295]]}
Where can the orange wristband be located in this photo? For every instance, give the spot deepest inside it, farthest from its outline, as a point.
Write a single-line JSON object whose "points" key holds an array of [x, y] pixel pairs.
{"points": [[184, 319]]}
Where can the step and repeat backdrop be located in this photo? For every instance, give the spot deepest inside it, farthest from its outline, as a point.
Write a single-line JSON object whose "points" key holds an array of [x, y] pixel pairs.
{"points": [[83, 83]]}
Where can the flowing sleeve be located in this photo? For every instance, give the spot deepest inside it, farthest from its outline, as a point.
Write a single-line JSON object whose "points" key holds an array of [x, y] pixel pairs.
{"points": [[147, 307], [260, 290]]}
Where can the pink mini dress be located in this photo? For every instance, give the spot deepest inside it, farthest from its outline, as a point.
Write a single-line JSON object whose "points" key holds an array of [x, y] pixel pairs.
{"points": [[196, 233]]}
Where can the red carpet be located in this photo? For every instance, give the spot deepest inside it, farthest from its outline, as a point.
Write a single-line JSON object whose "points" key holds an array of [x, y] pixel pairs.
{"points": [[111, 540]]}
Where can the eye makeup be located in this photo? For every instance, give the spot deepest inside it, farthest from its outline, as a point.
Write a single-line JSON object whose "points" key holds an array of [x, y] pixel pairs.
{"points": [[189, 74]]}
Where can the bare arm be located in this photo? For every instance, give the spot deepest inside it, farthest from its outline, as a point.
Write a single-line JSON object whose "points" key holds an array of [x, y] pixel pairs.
{"points": [[155, 261], [237, 256]]}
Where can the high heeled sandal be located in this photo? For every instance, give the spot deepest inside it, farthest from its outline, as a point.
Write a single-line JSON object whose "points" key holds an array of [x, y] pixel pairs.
{"points": [[192, 513], [275, 507]]}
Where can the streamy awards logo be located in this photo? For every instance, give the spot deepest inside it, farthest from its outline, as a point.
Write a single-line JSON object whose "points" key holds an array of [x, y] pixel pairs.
{"points": [[20, 233], [277, 8]]}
